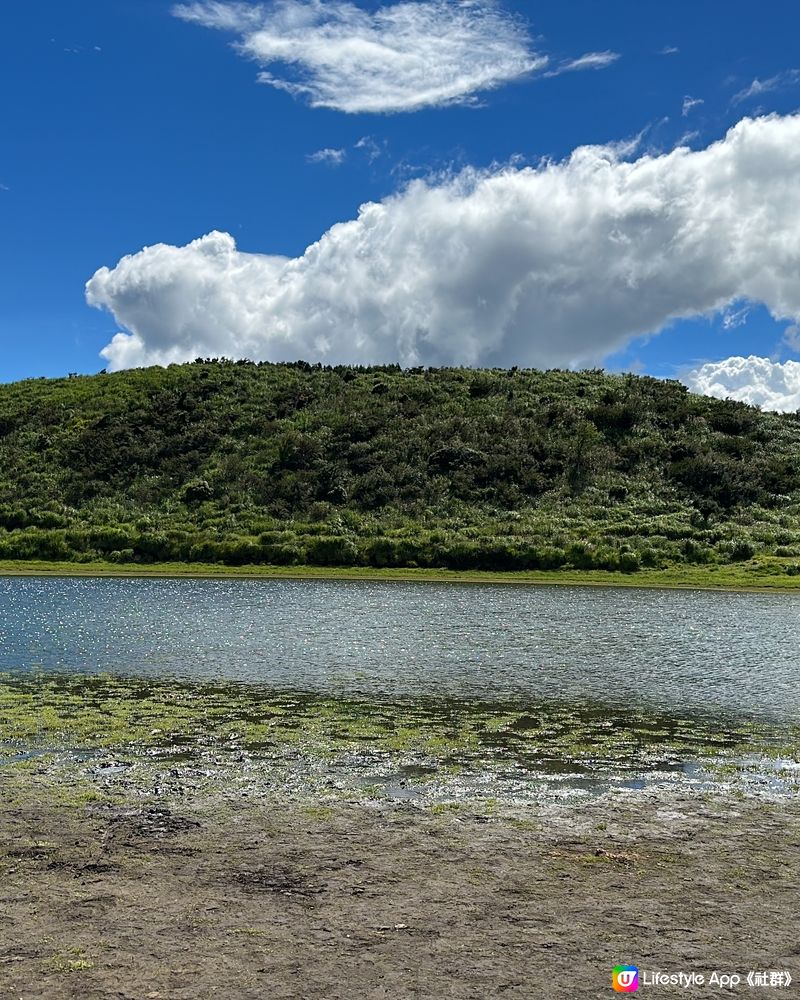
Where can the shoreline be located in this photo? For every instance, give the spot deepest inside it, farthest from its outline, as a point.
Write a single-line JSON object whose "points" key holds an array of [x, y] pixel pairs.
{"points": [[197, 868], [101, 736], [761, 578]]}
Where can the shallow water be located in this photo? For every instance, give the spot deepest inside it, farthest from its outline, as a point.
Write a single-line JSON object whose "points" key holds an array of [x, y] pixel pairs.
{"points": [[713, 655]]}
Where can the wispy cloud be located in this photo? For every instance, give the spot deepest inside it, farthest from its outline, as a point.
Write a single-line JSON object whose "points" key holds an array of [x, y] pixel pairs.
{"points": [[791, 337], [401, 57], [669, 50], [590, 60], [77, 50], [688, 137], [370, 148], [735, 316], [788, 78], [689, 103], [331, 157], [367, 147]]}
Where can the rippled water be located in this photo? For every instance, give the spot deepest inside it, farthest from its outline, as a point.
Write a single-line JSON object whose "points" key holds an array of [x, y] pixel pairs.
{"points": [[715, 654]]}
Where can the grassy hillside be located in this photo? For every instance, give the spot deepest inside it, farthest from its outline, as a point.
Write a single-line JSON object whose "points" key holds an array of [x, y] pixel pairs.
{"points": [[237, 463]]}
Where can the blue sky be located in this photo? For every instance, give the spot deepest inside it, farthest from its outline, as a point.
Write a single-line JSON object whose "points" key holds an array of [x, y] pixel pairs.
{"points": [[125, 126]]}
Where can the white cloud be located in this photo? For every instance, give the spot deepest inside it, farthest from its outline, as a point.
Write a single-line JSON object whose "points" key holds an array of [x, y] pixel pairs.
{"points": [[733, 317], [590, 60], [689, 103], [759, 381], [403, 57], [332, 157], [688, 137], [556, 265], [370, 148], [791, 337], [669, 50], [758, 87], [227, 16]]}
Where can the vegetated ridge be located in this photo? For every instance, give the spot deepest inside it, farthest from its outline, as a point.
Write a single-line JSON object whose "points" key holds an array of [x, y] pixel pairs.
{"points": [[291, 464]]}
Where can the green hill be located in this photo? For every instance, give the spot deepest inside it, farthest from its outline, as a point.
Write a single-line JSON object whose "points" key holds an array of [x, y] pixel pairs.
{"points": [[241, 463]]}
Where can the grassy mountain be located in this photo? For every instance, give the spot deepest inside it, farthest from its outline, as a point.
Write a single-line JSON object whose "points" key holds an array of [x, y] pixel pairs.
{"points": [[240, 463]]}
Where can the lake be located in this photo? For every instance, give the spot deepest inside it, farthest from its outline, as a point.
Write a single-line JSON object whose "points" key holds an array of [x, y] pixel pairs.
{"points": [[717, 655]]}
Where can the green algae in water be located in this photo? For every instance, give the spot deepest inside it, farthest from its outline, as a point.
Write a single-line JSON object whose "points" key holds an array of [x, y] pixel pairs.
{"points": [[90, 713]]}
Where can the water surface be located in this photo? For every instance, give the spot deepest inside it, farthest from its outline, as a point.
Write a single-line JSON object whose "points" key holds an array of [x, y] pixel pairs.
{"points": [[700, 653]]}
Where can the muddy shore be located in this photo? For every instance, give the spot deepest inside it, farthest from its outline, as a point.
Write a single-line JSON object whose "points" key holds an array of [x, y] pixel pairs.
{"points": [[165, 841], [191, 898]]}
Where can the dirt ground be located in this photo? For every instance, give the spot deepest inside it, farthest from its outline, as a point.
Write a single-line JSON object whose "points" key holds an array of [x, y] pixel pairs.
{"points": [[379, 901]]}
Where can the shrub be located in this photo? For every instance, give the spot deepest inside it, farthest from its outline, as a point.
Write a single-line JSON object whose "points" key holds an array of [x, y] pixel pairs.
{"points": [[552, 558], [36, 545], [629, 562], [111, 539], [331, 551], [581, 556], [205, 552], [121, 556], [241, 552], [742, 550], [649, 558], [152, 547], [461, 555], [694, 552], [196, 491], [283, 554]]}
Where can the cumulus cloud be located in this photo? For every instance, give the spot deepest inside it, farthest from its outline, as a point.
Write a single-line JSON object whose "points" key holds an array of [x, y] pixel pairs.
{"points": [[402, 57], [555, 265], [332, 157], [759, 381]]}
